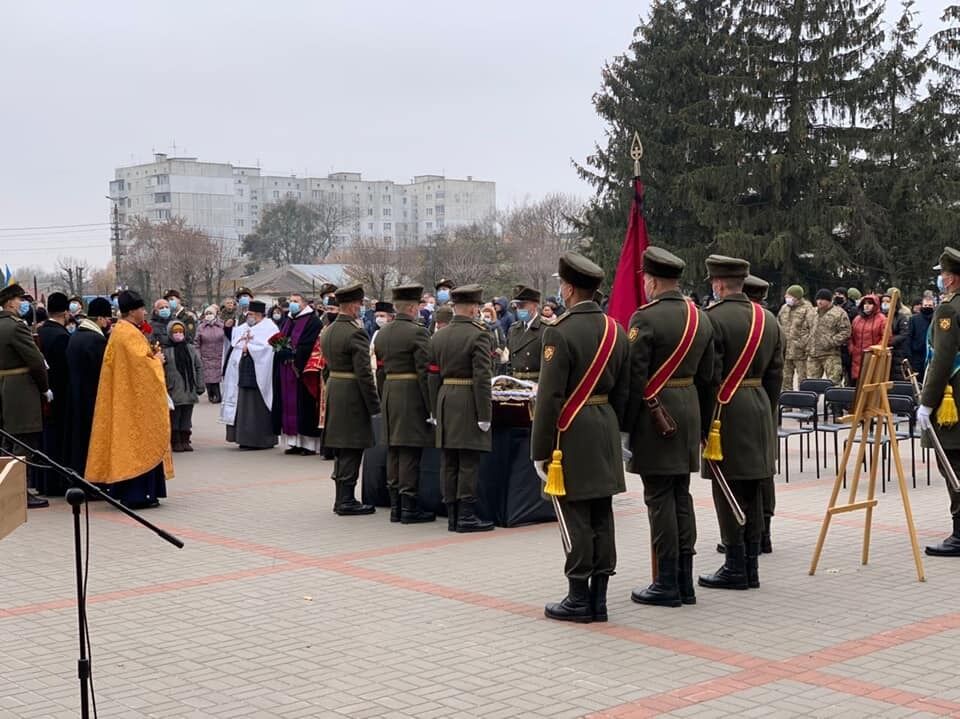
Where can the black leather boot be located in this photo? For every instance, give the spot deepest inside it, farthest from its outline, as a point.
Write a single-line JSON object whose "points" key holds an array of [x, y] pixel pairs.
{"points": [[185, 441], [664, 592], [598, 596], [575, 607], [949, 547], [394, 505], [468, 521], [753, 566], [766, 546], [733, 573], [35, 502], [411, 513], [685, 579], [349, 506], [339, 495], [451, 516]]}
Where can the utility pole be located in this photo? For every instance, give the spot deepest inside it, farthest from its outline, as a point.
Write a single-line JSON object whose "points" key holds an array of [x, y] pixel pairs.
{"points": [[79, 282], [116, 242]]}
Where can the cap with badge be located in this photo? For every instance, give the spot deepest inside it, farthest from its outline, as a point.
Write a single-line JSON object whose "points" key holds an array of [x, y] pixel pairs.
{"points": [[722, 267], [522, 293], [407, 293], [350, 293], [467, 294], [443, 283], [658, 262], [755, 287], [577, 270], [950, 260], [327, 288], [11, 291], [243, 291]]}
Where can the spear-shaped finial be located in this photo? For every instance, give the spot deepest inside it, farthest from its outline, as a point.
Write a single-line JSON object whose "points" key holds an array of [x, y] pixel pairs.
{"points": [[636, 152]]}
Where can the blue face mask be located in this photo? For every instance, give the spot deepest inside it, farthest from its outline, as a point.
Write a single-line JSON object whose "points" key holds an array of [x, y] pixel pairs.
{"points": [[115, 303], [164, 313], [294, 309], [940, 284], [443, 296], [173, 304], [244, 301], [523, 315], [24, 308], [74, 307], [71, 328]]}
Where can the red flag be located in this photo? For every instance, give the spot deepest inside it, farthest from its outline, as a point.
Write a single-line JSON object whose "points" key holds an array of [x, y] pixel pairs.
{"points": [[627, 293]]}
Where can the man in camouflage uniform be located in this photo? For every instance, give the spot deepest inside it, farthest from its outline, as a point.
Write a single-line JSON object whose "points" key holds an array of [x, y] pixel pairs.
{"points": [[796, 320], [829, 332], [523, 339]]}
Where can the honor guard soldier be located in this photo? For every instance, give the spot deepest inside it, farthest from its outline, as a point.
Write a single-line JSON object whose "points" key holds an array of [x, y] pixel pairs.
{"points": [[523, 339], [742, 437], [941, 386], [671, 377], [461, 397], [351, 398], [581, 401], [403, 358]]}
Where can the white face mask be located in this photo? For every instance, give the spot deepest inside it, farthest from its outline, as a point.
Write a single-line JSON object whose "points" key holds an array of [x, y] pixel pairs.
{"points": [[790, 300], [381, 321]]}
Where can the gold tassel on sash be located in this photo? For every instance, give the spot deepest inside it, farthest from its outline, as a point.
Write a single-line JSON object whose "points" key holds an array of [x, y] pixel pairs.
{"points": [[555, 486], [947, 413], [714, 451]]}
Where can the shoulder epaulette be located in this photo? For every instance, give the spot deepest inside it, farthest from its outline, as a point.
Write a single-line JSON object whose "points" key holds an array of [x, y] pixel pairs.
{"points": [[651, 303], [560, 318], [949, 297], [711, 306], [478, 324]]}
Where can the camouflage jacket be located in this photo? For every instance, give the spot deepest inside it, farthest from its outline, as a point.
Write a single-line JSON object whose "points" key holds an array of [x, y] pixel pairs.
{"points": [[829, 331], [796, 322]]}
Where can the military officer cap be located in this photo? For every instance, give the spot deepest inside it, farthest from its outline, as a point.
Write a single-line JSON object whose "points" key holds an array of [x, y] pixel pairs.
{"points": [[326, 288], [755, 287], [384, 307], [10, 292], [580, 272], [57, 302], [407, 293], [350, 293], [172, 293], [657, 262], [443, 283], [99, 307], [467, 294], [522, 293], [243, 291], [721, 266], [950, 260]]}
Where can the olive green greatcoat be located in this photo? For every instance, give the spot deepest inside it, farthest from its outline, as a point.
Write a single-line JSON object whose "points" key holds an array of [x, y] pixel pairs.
{"points": [[945, 331], [20, 403], [655, 332], [524, 344], [748, 431], [592, 458], [350, 402], [403, 348], [463, 350]]}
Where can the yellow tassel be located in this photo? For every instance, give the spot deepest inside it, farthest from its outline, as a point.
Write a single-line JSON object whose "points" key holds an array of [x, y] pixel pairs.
{"points": [[713, 449], [555, 476], [947, 413]]}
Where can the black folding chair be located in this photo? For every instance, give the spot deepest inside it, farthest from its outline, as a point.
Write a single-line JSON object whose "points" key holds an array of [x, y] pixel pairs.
{"points": [[838, 401], [801, 406], [820, 386]]}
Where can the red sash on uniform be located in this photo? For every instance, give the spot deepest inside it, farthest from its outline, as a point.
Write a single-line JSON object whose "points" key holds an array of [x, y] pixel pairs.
{"points": [[666, 371], [731, 382], [573, 405]]}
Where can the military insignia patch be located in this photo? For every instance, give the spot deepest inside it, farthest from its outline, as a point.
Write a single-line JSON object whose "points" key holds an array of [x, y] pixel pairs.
{"points": [[634, 333], [548, 352], [945, 324]]}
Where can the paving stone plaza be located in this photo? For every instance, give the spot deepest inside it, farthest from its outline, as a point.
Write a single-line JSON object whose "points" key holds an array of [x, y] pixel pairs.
{"points": [[278, 608]]}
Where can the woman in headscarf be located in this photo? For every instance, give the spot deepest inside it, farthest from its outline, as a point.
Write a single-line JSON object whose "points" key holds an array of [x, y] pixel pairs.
{"points": [[210, 343]]}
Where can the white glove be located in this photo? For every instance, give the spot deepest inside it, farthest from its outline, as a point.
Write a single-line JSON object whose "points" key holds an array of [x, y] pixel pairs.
{"points": [[625, 450], [49, 395], [484, 426], [170, 403], [923, 417], [538, 468], [376, 416], [432, 420]]}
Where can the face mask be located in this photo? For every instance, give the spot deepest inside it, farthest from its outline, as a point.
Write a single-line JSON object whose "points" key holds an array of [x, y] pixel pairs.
{"points": [[177, 337], [244, 301], [940, 285], [381, 321], [164, 313], [429, 307], [926, 310], [71, 328], [209, 317], [74, 307], [24, 308], [173, 303], [838, 300], [115, 303], [277, 316], [523, 315], [443, 296], [488, 319], [885, 307], [251, 321], [294, 309], [791, 301]]}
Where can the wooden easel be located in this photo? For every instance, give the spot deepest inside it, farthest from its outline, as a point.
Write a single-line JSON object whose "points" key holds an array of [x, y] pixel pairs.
{"points": [[871, 412]]}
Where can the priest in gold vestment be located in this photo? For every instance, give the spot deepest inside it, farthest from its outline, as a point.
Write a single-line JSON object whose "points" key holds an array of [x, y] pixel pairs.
{"points": [[129, 454]]}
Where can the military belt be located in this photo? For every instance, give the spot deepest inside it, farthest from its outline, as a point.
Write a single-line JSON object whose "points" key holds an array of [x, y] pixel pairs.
{"points": [[752, 382], [595, 400], [458, 381], [15, 371], [679, 382], [402, 375], [342, 375], [526, 375]]}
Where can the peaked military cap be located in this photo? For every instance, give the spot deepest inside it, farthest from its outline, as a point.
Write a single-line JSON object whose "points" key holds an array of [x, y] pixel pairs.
{"points": [[720, 266], [172, 293], [579, 271], [755, 287], [384, 307], [407, 293], [522, 293], [467, 294], [11, 291], [657, 262], [444, 282], [326, 288], [950, 260], [350, 293], [243, 291]]}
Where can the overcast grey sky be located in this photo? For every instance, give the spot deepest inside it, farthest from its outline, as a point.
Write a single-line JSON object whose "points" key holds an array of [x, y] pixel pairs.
{"points": [[495, 89]]}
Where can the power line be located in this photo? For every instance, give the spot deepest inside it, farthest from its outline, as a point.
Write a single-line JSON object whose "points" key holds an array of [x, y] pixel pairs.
{"points": [[3, 251], [54, 227]]}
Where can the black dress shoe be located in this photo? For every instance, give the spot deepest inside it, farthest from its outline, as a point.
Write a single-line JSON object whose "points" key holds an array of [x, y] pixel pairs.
{"points": [[293, 450], [949, 547], [307, 452], [35, 502]]}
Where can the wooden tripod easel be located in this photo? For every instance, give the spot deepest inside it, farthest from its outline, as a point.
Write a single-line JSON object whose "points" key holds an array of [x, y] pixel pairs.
{"points": [[871, 413]]}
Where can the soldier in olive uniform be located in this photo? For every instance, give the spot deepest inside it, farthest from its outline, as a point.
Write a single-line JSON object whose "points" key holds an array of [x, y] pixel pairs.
{"points": [[592, 458], [23, 381], [461, 398], [664, 463], [523, 339], [351, 398], [403, 358], [748, 431], [941, 373]]}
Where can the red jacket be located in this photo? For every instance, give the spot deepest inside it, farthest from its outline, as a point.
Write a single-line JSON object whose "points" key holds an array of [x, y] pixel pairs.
{"points": [[866, 331]]}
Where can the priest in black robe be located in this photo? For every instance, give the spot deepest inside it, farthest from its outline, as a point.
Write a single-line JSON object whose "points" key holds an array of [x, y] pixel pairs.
{"points": [[84, 360]]}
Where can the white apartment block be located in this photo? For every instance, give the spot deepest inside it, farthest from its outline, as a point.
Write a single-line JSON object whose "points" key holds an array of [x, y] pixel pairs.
{"points": [[225, 200]]}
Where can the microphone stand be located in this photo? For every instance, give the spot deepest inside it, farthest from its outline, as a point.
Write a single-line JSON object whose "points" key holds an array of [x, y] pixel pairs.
{"points": [[76, 496]]}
